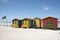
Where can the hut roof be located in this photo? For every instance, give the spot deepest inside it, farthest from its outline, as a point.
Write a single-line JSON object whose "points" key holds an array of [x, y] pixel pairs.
{"points": [[16, 19], [50, 17]]}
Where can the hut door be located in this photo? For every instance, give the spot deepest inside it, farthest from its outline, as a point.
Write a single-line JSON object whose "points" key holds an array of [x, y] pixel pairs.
{"points": [[35, 24]]}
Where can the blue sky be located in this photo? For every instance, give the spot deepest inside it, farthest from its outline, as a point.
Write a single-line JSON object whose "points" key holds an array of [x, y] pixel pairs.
{"points": [[29, 8]]}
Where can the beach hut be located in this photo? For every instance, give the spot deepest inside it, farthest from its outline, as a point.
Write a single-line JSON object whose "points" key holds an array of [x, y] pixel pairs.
{"points": [[50, 23], [26, 23], [16, 23], [37, 23]]}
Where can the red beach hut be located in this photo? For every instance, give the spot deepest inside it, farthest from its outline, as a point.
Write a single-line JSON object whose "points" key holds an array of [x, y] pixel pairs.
{"points": [[50, 23]]}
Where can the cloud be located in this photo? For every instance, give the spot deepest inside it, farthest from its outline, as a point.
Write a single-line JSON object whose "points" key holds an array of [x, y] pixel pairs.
{"points": [[5, 1], [46, 8]]}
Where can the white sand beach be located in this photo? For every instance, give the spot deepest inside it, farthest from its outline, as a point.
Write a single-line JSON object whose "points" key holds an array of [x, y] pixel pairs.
{"points": [[8, 33]]}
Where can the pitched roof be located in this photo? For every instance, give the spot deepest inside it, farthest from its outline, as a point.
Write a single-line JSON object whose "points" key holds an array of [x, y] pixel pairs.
{"points": [[16, 19], [50, 17]]}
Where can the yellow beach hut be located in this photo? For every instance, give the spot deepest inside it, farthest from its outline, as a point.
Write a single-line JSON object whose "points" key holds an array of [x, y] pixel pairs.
{"points": [[26, 23]]}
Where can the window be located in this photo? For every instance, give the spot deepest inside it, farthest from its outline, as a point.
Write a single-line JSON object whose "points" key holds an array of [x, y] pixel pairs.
{"points": [[15, 22], [51, 21], [26, 22]]}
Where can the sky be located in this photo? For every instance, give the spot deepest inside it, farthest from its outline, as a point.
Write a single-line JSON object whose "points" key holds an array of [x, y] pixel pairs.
{"points": [[29, 9]]}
